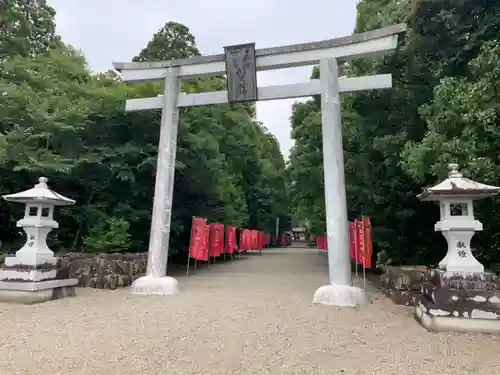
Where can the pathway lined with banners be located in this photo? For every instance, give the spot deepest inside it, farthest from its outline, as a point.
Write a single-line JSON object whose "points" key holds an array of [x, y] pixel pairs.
{"points": [[249, 316]]}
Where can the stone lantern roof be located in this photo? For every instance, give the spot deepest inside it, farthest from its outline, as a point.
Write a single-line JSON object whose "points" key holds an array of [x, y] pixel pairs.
{"points": [[40, 193], [456, 186]]}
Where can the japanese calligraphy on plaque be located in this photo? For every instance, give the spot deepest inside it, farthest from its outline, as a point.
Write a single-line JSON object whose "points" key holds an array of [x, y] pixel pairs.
{"points": [[241, 70], [461, 246]]}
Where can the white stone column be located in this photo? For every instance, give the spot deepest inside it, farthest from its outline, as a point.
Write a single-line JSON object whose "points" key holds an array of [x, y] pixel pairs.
{"points": [[156, 281], [340, 291]]}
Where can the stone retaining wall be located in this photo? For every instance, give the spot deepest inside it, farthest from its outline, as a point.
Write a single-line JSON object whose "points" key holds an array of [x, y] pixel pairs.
{"points": [[403, 283], [101, 271]]}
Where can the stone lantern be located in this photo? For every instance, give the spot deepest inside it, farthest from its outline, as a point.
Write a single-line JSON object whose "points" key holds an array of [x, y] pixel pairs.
{"points": [[31, 275], [456, 196], [460, 297]]}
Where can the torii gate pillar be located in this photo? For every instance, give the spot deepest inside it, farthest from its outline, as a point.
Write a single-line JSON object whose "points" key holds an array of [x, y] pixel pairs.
{"points": [[339, 292]]}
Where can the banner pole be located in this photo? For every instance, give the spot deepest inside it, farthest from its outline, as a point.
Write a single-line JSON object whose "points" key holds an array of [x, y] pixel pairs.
{"points": [[214, 258], [364, 276], [229, 242], [190, 243], [277, 231], [233, 249], [355, 250], [225, 242], [260, 241], [364, 254], [209, 241], [228, 239]]}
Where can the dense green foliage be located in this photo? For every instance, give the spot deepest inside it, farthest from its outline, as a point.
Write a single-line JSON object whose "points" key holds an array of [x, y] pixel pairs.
{"points": [[60, 120], [26, 27], [444, 107]]}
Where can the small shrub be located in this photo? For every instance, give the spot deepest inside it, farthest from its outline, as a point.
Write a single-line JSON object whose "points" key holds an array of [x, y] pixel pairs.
{"points": [[108, 235]]}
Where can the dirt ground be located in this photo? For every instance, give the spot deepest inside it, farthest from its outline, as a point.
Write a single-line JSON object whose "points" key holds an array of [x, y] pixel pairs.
{"points": [[249, 316]]}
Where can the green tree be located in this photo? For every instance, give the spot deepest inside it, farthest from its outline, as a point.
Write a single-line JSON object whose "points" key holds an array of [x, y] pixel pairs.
{"points": [[107, 236], [306, 166], [173, 41], [62, 121], [27, 27], [237, 160], [462, 122], [72, 128], [397, 141]]}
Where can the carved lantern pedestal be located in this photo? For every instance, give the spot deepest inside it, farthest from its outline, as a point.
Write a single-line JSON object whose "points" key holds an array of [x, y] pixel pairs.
{"points": [[460, 296], [32, 274], [459, 302]]}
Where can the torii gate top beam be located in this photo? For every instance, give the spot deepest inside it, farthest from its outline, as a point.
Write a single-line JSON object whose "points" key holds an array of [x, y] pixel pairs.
{"points": [[378, 42]]}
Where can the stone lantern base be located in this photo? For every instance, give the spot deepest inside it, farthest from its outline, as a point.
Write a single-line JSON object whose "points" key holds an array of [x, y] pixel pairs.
{"points": [[459, 302], [29, 284]]}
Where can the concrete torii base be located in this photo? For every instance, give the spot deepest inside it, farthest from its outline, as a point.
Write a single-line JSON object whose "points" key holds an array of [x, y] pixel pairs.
{"points": [[153, 285], [340, 295]]}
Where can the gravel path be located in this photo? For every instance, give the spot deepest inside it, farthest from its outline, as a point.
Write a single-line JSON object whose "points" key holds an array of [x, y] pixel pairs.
{"points": [[253, 316]]}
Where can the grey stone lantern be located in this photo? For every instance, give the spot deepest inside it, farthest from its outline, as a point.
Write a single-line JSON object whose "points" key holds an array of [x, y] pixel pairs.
{"points": [[460, 296], [456, 196], [31, 275]]}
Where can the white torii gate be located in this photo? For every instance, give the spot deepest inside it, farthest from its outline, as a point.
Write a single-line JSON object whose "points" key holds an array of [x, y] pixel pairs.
{"points": [[240, 64]]}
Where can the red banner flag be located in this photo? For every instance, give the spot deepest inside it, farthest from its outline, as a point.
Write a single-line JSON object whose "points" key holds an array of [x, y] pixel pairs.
{"points": [[360, 241], [251, 243], [322, 243], [251, 239], [248, 239], [207, 238], [262, 240], [352, 240], [367, 242], [198, 247], [230, 240], [217, 240], [244, 240]]}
